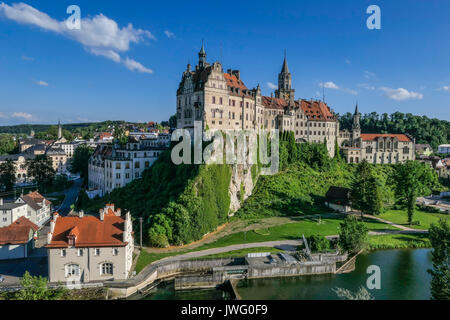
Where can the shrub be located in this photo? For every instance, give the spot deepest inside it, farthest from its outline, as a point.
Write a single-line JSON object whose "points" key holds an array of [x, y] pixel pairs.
{"points": [[353, 235], [318, 243]]}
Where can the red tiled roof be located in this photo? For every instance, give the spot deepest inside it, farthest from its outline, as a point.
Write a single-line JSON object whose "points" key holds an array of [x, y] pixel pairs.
{"points": [[24, 222], [232, 81], [35, 199], [274, 103], [373, 136], [317, 111], [15, 234], [89, 231]]}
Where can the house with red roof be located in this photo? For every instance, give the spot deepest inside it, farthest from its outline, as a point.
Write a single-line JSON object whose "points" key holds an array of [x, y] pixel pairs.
{"points": [[38, 207], [380, 148], [85, 248], [17, 239]]}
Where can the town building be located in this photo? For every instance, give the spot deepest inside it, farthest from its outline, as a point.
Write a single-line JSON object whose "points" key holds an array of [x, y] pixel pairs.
{"points": [[32, 206], [39, 208], [17, 239], [444, 149], [377, 148], [112, 167], [220, 100], [86, 248], [424, 149], [11, 211], [338, 198], [20, 164]]}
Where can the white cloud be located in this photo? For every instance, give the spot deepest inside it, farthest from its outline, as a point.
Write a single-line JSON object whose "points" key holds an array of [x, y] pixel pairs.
{"points": [[401, 94], [334, 86], [347, 61], [169, 34], [100, 35], [445, 88], [3, 116], [27, 58], [110, 54], [329, 85], [41, 83], [365, 86], [136, 66], [272, 85], [22, 115]]}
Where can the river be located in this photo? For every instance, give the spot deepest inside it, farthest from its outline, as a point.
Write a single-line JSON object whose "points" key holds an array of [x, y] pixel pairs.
{"points": [[403, 277]]}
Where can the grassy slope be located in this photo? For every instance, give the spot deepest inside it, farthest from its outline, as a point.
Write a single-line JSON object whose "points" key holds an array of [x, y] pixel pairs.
{"points": [[399, 241], [289, 231], [298, 190], [425, 218]]}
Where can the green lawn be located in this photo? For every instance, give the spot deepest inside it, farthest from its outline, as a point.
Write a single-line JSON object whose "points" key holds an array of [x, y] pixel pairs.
{"points": [[399, 241], [289, 231], [425, 218]]}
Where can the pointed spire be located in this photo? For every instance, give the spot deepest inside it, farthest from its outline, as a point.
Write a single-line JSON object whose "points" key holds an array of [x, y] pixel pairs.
{"points": [[356, 109], [202, 50], [285, 68], [202, 57]]}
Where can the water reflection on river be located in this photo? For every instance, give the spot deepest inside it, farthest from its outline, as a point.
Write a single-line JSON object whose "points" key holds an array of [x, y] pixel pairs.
{"points": [[403, 276]]}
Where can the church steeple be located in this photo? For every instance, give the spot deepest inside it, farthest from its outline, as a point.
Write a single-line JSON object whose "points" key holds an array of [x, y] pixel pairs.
{"points": [[356, 126], [285, 90], [59, 130], [202, 57]]}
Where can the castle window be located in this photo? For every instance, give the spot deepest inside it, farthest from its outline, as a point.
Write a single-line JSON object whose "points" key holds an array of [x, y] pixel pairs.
{"points": [[106, 269], [72, 270], [220, 101], [213, 100]]}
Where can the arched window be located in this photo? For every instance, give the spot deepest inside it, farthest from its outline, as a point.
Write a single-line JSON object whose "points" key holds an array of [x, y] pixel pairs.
{"points": [[106, 269], [72, 270]]}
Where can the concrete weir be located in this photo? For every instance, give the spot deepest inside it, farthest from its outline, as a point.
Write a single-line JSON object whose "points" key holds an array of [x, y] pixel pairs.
{"points": [[202, 274]]}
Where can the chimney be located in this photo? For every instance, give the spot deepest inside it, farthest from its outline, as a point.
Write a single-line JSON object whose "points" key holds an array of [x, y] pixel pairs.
{"points": [[126, 226], [102, 214], [118, 212], [49, 237], [52, 226], [81, 214], [237, 73]]}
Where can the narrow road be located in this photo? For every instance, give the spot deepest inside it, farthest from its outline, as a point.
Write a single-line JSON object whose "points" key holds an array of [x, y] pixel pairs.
{"points": [[71, 196]]}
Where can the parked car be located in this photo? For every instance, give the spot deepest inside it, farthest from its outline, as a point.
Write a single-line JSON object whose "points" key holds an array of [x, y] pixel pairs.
{"points": [[1, 278]]}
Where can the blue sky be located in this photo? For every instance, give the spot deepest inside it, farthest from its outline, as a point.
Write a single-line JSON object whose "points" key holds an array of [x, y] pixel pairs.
{"points": [[109, 70]]}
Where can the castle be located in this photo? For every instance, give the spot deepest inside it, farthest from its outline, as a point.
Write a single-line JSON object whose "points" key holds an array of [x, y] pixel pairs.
{"points": [[221, 100]]}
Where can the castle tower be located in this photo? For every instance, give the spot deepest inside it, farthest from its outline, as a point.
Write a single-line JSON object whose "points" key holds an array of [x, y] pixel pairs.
{"points": [[285, 90], [356, 126], [202, 57]]}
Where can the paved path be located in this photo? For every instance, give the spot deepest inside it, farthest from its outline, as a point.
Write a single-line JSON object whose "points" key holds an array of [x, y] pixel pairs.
{"points": [[71, 197], [399, 226], [288, 245]]}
